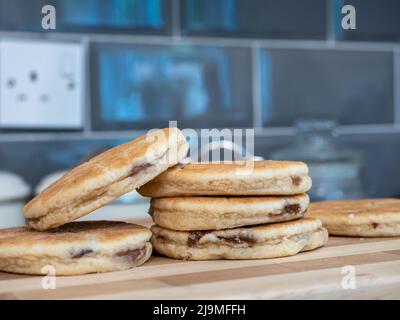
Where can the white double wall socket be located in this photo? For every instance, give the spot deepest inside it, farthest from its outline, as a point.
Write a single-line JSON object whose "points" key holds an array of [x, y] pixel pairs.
{"points": [[41, 84]]}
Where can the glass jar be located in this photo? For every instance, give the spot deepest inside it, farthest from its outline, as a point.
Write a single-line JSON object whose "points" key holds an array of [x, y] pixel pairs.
{"points": [[336, 173]]}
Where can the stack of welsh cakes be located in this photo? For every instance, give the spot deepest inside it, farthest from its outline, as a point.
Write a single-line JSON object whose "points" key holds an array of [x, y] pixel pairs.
{"points": [[249, 210]]}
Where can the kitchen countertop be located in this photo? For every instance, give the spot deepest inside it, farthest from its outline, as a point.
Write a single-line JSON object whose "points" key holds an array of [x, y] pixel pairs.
{"points": [[316, 274]]}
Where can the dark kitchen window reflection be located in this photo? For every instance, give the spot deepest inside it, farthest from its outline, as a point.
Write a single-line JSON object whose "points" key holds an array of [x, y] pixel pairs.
{"points": [[285, 19], [376, 20], [139, 87], [114, 16], [351, 87]]}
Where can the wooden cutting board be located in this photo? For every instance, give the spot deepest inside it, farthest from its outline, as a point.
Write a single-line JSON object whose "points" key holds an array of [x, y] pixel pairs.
{"points": [[309, 275]]}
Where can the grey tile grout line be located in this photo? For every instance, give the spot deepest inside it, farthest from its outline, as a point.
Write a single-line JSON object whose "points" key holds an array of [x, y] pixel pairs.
{"points": [[259, 132], [60, 136], [176, 20], [87, 87], [274, 132], [256, 86], [368, 129], [217, 41], [396, 84], [1, 81], [330, 21]]}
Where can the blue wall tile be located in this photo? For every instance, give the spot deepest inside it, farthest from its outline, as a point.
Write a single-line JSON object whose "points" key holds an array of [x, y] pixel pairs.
{"points": [[286, 19], [382, 156], [376, 20], [114, 16], [351, 87], [144, 86]]}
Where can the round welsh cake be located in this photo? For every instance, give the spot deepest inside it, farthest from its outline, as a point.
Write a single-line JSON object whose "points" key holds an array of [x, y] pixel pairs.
{"points": [[258, 242], [214, 213], [75, 248], [359, 218], [106, 177], [230, 179]]}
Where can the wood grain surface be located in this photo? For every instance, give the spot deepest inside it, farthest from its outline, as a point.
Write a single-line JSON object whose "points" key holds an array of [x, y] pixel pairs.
{"points": [[315, 274]]}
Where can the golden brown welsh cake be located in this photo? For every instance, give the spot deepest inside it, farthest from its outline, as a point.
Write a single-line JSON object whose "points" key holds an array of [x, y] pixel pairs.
{"points": [[229, 179], [359, 218], [105, 178], [215, 213], [75, 248], [258, 242]]}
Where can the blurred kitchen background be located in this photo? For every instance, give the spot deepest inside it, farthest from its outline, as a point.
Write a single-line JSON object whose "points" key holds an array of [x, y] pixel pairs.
{"points": [[113, 69]]}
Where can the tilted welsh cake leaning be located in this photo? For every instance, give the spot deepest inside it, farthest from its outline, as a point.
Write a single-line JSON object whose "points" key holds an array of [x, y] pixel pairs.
{"points": [[97, 246]]}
